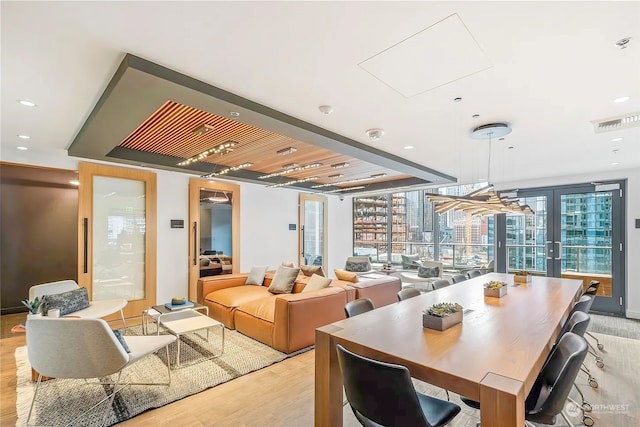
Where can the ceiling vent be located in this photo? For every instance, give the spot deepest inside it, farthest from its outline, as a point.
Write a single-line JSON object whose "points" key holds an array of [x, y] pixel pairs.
{"points": [[616, 123]]}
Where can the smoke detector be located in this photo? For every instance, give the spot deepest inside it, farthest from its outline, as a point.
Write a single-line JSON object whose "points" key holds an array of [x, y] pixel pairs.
{"points": [[375, 134], [326, 109], [491, 130]]}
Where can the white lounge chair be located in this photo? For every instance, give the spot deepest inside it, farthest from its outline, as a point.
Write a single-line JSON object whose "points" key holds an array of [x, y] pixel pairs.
{"points": [[96, 309]]}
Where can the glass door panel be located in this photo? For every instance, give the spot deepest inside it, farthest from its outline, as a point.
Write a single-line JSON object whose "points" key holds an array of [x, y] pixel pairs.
{"points": [[587, 239], [527, 237], [118, 236], [313, 220]]}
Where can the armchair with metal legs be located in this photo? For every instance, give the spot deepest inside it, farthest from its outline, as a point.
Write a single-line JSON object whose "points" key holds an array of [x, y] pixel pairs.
{"points": [[86, 349], [96, 309]]}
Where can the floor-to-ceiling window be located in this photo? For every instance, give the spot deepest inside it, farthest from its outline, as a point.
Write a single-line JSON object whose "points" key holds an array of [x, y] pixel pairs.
{"points": [[388, 225]]}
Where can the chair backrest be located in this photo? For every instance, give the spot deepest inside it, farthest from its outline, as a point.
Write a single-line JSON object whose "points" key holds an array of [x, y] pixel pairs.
{"points": [[358, 306], [358, 264], [411, 261], [51, 288], [489, 267], [407, 293], [73, 348], [549, 393], [473, 273], [577, 323], [458, 278], [439, 284], [379, 392], [592, 289], [432, 264], [583, 304]]}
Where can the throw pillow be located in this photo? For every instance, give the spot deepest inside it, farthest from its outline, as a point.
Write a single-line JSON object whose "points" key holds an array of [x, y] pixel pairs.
{"points": [[121, 339], [256, 275], [358, 266], [287, 264], [310, 270], [283, 280], [427, 272], [317, 282], [204, 261], [349, 276], [66, 302]]}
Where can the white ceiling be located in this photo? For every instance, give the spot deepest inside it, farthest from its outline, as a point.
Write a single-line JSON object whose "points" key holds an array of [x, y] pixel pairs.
{"points": [[554, 69]]}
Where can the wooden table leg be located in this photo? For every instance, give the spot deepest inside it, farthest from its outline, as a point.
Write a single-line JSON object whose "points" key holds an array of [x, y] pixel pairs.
{"points": [[501, 402], [328, 380]]}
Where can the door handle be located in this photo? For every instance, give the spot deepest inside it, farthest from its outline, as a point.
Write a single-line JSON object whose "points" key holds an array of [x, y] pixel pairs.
{"points": [[85, 245], [547, 252], [559, 250], [195, 243]]}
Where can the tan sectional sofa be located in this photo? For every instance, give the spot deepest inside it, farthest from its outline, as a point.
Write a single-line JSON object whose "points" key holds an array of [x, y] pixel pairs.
{"points": [[286, 322]]}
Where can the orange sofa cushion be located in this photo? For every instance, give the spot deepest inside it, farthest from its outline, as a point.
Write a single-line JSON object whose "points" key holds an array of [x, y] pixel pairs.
{"points": [[222, 303]]}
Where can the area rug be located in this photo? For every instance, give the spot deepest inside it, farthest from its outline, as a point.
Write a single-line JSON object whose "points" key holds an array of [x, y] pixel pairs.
{"points": [[61, 400]]}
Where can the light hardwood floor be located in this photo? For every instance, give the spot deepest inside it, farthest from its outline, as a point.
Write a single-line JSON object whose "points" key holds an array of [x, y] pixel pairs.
{"points": [[282, 394]]}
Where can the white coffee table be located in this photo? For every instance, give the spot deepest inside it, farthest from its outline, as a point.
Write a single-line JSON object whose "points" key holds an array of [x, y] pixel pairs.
{"points": [[184, 321]]}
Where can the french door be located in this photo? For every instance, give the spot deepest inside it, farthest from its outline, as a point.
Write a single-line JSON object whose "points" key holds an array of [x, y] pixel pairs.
{"points": [[576, 232], [117, 235], [312, 241]]}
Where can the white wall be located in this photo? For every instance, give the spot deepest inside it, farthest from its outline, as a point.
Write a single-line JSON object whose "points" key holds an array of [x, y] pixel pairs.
{"points": [[632, 235]]}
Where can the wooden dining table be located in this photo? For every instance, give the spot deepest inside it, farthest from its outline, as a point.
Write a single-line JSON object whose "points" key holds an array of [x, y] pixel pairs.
{"points": [[493, 356]]}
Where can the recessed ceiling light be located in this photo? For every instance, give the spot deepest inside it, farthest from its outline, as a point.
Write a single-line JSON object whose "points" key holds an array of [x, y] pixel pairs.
{"points": [[617, 139], [26, 103], [234, 114], [74, 182], [475, 116], [202, 129], [24, 137], [326, 109], [340, 165], [286, 151], [511, 147], [375, 134], [457, 99], [336, 175], [408, 147], [621, 99], [615, 163], [23, 148]]}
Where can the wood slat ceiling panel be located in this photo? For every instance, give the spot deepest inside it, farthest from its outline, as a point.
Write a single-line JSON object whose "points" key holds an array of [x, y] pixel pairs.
{"points": [[170, 131]]}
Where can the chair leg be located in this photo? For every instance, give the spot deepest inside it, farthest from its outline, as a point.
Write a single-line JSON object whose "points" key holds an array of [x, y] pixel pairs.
{"points": [[600, 346], [113, 396], [124, 324], [566, 419], [33, 401]]}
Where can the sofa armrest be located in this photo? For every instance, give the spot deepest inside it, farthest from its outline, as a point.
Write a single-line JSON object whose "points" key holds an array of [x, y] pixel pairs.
{"points": [[209, 284], [297, 316]]}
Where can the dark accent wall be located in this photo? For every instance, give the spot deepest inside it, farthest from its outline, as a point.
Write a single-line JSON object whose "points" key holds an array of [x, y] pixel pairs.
{"points": [[38, 233]]}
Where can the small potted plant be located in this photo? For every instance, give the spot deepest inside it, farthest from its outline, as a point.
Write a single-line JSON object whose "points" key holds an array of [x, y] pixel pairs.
{"points": [[442, 316], [522, 276], [33, 306], [495, 289]]}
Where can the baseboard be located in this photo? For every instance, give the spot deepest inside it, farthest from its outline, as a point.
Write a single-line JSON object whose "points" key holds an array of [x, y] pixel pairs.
{"points": [[633, 314]]}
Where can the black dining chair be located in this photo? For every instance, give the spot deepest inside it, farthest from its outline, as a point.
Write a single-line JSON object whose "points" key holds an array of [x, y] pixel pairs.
{"points": [[358, 306], [440, 283], [473, 273], [382, 394], [592, 289], [407, 293], [548, 396], [458, 278]]}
